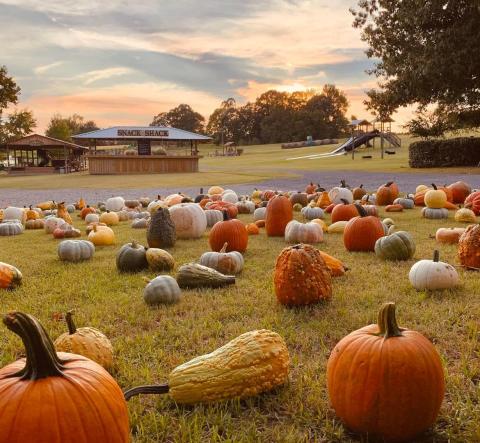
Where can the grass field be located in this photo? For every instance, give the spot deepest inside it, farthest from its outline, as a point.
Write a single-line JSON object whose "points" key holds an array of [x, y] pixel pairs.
{"points": [[256, 164], [149, 343]]}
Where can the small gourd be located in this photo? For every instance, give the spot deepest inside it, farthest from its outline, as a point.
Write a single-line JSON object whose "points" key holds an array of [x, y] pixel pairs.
{"points": [[193, 275], [159, 259], [86, 341], [162, 290]]}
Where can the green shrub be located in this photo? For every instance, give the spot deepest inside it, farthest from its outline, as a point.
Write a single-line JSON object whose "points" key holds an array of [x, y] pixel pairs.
{"points": [[462, 151]]}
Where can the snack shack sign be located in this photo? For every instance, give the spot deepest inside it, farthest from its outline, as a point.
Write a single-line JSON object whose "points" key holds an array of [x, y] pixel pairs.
{"points": [[142, 133]]}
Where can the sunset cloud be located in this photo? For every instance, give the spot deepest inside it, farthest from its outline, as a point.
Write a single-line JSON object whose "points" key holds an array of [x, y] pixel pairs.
{"points": [[119, 62]]}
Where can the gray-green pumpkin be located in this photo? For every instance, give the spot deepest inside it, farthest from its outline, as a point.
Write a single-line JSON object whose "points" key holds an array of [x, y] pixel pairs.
{"points": [[161, 232], [132, 258], [406, 203], [397, 246], [162, 290], [435, 213]]}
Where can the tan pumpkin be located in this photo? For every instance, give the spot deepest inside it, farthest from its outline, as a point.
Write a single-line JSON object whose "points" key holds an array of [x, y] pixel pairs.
{"points": [[87, 341], [227, 263], [449, 235], [109, 218], [465, 215]]}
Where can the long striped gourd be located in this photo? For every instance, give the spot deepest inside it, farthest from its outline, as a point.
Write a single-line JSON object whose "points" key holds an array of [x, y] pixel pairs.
{"points": [[254, 362]]}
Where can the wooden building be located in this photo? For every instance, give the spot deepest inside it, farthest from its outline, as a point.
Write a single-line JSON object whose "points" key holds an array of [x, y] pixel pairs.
{"points": [[39, 154], [142, 159]]}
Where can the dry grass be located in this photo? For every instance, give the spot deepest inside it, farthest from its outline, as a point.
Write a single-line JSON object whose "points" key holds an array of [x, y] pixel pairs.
{"points": [[150, 342]]}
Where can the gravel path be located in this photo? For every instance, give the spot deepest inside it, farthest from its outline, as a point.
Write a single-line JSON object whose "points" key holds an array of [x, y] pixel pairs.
{"points": [[370, 180]]}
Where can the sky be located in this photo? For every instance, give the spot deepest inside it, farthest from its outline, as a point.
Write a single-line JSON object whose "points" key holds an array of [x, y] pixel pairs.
{"points": [[121, 62]]}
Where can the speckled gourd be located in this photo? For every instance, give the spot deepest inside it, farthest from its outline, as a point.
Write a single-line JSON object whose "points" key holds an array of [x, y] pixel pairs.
{"points": [[193, 275], [159, 259], [86, 341], [252, 363]]}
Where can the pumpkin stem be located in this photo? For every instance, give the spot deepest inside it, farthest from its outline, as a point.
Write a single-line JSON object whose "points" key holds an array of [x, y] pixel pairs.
{"points": [[344, 201], [343, 183], [42, 360], [148, 389], [388, 184], [436, 256], [224, 248], [226, 217], [70, 324], [201, 190], [434, 186], [361, 210], [361, 186], [387, 322]]}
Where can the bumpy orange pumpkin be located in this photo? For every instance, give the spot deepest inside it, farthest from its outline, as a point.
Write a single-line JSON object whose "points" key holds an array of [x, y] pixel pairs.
{"points": [[10, 276], [362, 232], [57, 398], [469, 247], [386, 381], [279, 213], [301, 276], [231, 231]]}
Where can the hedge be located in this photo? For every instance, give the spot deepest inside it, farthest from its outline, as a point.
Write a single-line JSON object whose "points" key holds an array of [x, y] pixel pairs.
{"points": [[462, 151]]}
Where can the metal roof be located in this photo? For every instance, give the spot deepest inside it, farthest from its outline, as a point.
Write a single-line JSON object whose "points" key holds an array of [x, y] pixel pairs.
{"points": [[142, 132], [42, 141]]}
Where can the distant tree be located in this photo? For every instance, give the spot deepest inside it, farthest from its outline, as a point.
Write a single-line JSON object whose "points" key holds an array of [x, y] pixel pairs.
{"points": [[222, 124], [18, 123], [428, 52], [181, 117], [62, 128]]}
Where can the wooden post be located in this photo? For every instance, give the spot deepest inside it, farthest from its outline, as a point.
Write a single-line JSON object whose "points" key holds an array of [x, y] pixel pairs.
{"points": [[353, 142], [8, 157], [382, 143], [65, 157]]}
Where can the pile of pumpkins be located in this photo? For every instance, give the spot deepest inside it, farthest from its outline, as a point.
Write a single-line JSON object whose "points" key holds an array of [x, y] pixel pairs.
{"points": [[262, 355]]}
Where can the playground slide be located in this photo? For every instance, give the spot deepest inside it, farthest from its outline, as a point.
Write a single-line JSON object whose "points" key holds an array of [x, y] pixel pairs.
{"points": [[347, 146]]}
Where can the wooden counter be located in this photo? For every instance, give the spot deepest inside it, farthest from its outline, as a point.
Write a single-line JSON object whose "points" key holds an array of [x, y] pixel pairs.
{"points": [[141, 164]]}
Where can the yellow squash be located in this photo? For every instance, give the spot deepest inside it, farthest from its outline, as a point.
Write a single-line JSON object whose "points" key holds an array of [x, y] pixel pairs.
{"points": [[252, 363]]}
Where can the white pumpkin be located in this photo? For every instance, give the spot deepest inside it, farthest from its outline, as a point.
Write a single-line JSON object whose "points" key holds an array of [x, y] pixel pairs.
{"points": [[230, 196], [189, 219], [115, 204], [161, 290], [139, 223], [245, 207], [311, 213], [12, 213], [155, 205], [75, 250], [92, 218], [52, 223], [213, 216], [260, 214], [337, 194], [11, 227], [296, 232], [228, 263], [433, 274]]}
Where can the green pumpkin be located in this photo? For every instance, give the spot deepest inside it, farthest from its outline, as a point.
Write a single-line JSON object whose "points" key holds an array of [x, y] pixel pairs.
{"points": [[397, 246], [132, 258], [407, 203]]}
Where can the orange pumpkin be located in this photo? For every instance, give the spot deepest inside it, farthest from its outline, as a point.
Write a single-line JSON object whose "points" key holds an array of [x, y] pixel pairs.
{"points": [[473, 202], [252, 229], [63, 213], [10, 276], [358, 193], [310, 189], [80, 204], [301, 276], [260, 223], [385, 381], [324, 200], [449, 235], [32, 214], [57, 397], [469, 247], [362, 232], [204, 202], [386, 194], [87, 210], [231, 231], [344, 211], [220, 205], [279, 213], [460, 191]]}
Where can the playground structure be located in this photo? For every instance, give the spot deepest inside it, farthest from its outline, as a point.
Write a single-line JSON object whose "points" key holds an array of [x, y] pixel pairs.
{"points": [[362, 133]]}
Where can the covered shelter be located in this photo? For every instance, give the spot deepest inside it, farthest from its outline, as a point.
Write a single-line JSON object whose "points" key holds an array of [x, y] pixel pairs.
{"points": [[39, 154], [143, 160], [360, 126]]}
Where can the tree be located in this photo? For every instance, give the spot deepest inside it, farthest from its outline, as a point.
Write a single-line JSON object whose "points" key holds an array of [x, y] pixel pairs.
{"points": [[181, 117], [428, 51], [62, 128], [19, 123]]}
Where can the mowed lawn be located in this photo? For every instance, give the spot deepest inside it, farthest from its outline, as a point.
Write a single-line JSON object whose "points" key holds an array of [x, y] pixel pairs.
{"points": [[257, 163], [149, 342]]}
